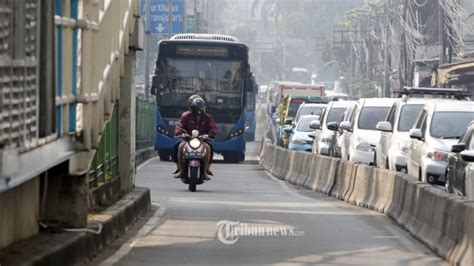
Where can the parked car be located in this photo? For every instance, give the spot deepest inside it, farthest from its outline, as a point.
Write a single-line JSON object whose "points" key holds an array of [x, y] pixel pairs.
{"points": [[287, 112], [394, 142], [325, 128], [439, 126], [360, 134], [300, 139], [340, 142], [460, 169], [309, 109]]}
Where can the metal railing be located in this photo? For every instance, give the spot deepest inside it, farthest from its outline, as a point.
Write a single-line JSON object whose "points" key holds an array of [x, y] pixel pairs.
{"points": [[104, 167], [145, 124]]}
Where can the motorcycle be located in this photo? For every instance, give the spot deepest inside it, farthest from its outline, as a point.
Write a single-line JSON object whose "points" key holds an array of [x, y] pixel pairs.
{"points": [[194, 160]]}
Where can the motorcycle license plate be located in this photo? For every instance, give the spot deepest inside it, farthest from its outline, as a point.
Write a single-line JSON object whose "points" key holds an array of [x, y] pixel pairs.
{"points": [[192, 155]]}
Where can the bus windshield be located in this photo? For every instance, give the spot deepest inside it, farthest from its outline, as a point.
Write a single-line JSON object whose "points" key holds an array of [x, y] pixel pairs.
{"points": [[218, 81]]}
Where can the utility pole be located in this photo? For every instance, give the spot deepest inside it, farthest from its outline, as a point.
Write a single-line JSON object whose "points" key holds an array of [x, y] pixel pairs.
{"points": [[386, 86], [170, 18], [442, 41], [147, 48]]}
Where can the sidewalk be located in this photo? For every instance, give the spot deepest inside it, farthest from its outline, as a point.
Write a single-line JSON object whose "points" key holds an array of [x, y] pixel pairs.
{"points": [[56, 248]]}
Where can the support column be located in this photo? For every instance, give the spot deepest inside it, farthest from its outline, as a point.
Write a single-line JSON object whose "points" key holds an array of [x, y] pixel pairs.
{"points": [[67, 198], [127, 118]]}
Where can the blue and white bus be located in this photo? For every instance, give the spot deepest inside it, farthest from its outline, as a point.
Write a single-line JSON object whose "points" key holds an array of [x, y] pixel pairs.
{"points": [[215, 67]]}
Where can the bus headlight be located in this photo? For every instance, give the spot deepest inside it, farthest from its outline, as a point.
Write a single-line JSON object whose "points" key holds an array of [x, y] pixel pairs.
{"points": [[237, 133], [162, 130]]}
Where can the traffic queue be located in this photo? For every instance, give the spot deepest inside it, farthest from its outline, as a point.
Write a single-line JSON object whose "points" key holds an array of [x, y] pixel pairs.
{"points": [[427, 133]]}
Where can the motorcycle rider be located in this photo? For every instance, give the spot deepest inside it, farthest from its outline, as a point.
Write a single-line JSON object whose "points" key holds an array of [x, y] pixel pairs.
{"points": [[196, 119]]}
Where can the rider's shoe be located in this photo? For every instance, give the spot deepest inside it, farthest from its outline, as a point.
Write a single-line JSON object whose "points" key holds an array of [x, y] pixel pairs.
{"points": [[177, 174], [210, 173]]}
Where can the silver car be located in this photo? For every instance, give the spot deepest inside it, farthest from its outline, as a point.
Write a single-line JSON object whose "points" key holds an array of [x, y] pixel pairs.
{"points": [[439, 126], [392, 148], [460, 171], [326, 128], [360, 134]]}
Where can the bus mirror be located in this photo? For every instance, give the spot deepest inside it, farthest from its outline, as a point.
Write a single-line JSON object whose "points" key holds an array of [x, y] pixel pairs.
{"points": [[248, 84], [153, 91], [155, 84]]}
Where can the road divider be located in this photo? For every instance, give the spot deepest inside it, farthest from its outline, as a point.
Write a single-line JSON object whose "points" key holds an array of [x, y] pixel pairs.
{"points": [[442, 221]]}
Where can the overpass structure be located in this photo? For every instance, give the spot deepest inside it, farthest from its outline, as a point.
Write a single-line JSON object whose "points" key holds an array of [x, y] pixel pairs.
{"points": [[67, 110]]}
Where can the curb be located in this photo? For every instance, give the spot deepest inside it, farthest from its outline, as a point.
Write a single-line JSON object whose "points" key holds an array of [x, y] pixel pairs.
{"points": [[49, 248], [143, 155]]}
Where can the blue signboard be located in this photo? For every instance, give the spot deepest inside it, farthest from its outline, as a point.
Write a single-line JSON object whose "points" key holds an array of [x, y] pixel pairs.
{"points": [[159, 16]]}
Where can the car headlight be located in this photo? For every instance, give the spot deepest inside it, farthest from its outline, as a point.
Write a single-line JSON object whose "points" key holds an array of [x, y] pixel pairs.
{"points": [[327, 140], [298, 141], [195, 143], [362, 145], [403, 146], [437, 155]]}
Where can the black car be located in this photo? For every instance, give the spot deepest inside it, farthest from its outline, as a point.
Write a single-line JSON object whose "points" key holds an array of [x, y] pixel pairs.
{"points": [[460, 170]]}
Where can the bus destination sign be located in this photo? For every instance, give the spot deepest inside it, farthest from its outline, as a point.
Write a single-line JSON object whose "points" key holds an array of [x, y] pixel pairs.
{"points": [[212, 51]]}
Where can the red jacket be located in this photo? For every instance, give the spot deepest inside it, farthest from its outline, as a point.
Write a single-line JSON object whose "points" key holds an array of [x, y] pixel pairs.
{"points": [[206, 125]]}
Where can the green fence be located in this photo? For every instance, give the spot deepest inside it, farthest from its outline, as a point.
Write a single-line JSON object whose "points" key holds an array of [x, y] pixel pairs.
{"points": [[105, 163], [145, 124]]}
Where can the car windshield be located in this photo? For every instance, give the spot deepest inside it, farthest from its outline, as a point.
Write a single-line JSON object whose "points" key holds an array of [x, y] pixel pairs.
{"points": [[335, 115], [450, 125], [408, 116], [303, 125], [311, 110], [371, 115]]}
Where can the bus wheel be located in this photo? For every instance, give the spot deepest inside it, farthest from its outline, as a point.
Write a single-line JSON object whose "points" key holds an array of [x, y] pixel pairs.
{"points": [[164, 156], [232, 157], [242, 156], [250, 137]]}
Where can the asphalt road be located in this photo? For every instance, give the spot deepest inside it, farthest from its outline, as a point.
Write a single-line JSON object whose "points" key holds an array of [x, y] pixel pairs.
{"points": [[293, 226]]}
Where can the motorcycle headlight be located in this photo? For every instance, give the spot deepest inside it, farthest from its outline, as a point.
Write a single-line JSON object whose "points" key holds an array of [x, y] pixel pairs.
{"points": [[403, 146], [362, 145], [195, 143]]}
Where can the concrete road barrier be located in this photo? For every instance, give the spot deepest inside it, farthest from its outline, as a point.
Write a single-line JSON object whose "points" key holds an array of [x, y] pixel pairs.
{"points": [[345, 180], [327, 177], [282, 161], [296, 167], [305, 170], [444, 222]]}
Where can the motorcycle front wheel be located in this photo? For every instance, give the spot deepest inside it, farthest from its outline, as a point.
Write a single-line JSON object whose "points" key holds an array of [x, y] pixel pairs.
{"points": [[193, 178]]}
